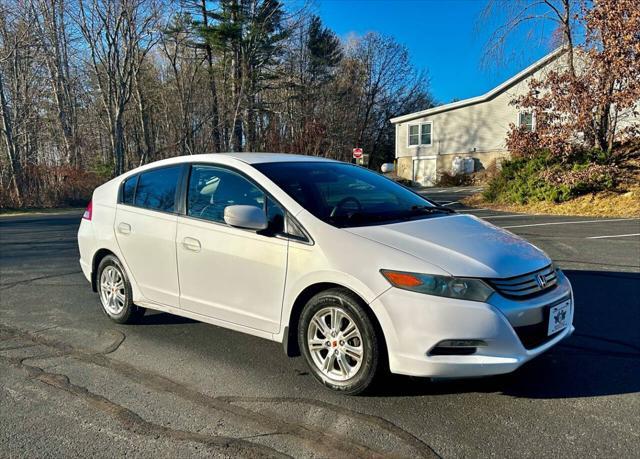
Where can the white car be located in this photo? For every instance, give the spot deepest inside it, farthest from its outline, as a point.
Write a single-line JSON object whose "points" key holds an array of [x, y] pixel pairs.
{"points": [[355, 272]]}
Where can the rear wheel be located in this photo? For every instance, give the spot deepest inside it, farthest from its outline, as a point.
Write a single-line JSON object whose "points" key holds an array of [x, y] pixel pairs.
{"points": [[339, 341], [115, 292]]}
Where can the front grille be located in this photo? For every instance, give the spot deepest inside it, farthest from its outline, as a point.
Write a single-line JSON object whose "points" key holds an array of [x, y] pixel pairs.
{"points": [[527, 284], [533, 336]]}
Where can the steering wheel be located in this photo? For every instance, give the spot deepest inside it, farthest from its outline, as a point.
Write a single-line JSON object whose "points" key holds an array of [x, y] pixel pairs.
{"points": [[204, 209], [342, 202]]}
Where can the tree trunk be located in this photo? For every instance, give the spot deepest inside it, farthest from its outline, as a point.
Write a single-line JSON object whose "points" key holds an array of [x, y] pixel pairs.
{"points": [[215, 118], [118, 143], [12, 151], [566, 31], [236, 86], [604, 119], [148, 152]]}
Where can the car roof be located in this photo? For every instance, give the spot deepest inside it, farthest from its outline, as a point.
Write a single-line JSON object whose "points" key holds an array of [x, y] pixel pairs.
{"points": [[257, 158], [228, 159], [248, 158]]}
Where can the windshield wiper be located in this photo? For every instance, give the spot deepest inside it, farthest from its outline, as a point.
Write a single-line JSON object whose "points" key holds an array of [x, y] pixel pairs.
{"points": [[367, 218], [432, 209], [362, 218]]}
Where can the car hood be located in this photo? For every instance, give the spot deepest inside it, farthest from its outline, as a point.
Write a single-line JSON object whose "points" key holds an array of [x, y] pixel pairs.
{"points": [[462, 245]]}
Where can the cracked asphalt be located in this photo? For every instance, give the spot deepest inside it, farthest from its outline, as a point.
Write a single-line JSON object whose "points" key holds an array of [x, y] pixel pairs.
{"points": [[72, 383]]}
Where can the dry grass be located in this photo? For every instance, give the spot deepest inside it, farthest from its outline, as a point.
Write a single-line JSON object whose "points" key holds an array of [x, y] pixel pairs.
{"points": [[603, 204]]}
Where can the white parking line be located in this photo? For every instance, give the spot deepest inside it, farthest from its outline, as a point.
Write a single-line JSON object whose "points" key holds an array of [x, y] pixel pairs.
{"points": [[573, 222], [473, 210], [617, 235], [500, 216]]}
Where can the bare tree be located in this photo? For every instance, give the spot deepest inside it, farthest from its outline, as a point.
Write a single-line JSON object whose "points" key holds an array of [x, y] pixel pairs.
{"points": [[50, 19], [529, 17], [118, 34], [90, 88], [18, 88]]}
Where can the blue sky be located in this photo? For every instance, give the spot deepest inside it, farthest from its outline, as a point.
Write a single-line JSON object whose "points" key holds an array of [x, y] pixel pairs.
{"points": [[443, 37]]}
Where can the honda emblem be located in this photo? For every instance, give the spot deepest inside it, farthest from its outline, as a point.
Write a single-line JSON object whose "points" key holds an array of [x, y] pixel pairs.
{"points": [[542, 281]]}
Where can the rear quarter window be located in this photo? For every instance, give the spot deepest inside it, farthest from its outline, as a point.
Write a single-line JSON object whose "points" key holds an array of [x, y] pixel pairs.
{"points": [[128, 190]]}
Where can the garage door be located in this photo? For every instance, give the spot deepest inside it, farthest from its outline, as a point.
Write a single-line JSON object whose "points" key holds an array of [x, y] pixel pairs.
{"points": [[424, 171]]}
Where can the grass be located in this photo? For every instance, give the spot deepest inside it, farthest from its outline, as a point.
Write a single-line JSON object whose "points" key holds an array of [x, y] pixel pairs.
{"points": [[601, 204]]}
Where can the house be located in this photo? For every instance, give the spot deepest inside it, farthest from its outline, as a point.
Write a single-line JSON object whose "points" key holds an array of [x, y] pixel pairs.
{"points": [[427, 142]]}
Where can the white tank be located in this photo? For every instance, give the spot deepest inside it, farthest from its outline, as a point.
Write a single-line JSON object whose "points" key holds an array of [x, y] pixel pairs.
{"points": [[386, 167], [457, 165]]}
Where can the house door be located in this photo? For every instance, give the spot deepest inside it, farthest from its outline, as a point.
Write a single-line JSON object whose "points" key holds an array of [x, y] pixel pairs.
{"points": [[424, 171]]}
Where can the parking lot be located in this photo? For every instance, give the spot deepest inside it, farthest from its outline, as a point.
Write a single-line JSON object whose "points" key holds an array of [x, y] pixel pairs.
{"points": [[74, 383]]}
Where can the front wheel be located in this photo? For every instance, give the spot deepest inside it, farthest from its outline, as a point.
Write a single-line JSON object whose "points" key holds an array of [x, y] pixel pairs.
{"points": [[339, 341], [115, 292]]}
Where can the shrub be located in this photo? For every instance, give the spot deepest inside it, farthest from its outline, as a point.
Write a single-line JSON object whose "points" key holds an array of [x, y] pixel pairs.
{"points": [[449, 179], [403, 181], [544, 178], [103, 169], [51, 186]]}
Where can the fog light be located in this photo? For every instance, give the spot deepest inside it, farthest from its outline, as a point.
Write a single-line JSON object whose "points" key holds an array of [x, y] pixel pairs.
{"points": [[457, 347]]}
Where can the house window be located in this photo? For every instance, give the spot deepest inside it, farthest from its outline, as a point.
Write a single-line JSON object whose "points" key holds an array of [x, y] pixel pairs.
{"points": [[526, 121], [420, 134], [414, 134]]}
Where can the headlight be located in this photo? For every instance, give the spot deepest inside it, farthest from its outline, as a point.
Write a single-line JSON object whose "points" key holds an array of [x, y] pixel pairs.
{"points": [[450, 287]]}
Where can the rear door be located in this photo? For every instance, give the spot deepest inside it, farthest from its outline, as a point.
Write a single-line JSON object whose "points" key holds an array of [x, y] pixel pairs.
{"points": [[145, 228], [228, 273]]}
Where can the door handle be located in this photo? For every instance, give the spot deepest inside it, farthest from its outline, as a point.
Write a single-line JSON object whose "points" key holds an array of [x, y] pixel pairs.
{"points": [[124, 228], [192, 244]]}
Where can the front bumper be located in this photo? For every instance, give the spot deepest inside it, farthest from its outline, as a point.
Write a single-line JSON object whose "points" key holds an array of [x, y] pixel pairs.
{"points": [[414, 323]]}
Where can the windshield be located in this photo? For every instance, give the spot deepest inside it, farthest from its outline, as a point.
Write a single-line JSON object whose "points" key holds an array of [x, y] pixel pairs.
{"points": [[346, 195]]}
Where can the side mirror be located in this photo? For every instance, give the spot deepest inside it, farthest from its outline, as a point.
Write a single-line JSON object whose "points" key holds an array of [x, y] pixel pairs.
{"points": [[249, 217]]}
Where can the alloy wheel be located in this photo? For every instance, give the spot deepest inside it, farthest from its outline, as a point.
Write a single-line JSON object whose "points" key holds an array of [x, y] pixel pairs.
{"points": [[112, 290], [335, 343]]}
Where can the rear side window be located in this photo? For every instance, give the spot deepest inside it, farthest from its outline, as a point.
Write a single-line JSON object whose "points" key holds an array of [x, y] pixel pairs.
{"points": [[129, 189], [156, 189]]}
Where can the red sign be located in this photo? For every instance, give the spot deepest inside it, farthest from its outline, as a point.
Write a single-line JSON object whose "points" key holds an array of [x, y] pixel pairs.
{"points": [[357, 153]]}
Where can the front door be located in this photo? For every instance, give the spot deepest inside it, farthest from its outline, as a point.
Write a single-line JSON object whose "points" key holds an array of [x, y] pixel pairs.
{"points": [[228, 273]]}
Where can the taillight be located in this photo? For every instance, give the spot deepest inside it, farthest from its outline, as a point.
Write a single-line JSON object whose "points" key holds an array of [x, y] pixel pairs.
{"points": [[88, 211]]}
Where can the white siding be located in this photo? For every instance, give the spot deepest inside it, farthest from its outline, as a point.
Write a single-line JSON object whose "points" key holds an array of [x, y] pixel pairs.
{"points": [[481, 127]]}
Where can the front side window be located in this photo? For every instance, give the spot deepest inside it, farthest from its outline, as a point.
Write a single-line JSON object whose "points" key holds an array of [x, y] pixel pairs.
{"points": [[345, 195], [156, 189], [212, 189], [526, 121], [420, 134], [275, 216]]}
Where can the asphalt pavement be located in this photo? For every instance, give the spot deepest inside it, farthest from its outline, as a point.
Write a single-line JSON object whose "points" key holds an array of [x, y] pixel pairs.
{"points": [[72, 383]]}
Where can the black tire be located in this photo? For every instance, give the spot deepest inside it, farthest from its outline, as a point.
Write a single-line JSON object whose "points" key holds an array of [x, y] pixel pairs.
{"points": [[372, 345], [130, 313]]}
